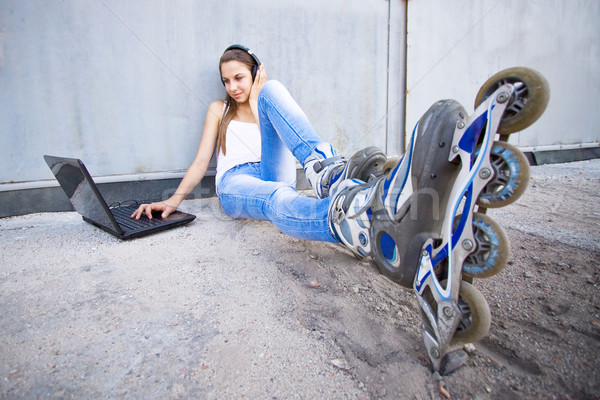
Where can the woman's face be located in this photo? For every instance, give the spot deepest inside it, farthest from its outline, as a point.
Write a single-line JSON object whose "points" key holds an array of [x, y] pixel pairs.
{"points": [[237, 79]]}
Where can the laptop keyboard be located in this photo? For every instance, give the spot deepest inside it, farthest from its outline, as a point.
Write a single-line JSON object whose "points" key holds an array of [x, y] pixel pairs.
{"points": [[122, 215]]}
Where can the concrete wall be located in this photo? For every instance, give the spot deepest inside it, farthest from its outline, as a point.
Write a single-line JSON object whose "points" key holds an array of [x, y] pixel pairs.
{"points": [[78, 76], [454, 46]]}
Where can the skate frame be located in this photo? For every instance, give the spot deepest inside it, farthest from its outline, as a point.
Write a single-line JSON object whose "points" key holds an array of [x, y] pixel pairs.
{"points": [[439, 302]]}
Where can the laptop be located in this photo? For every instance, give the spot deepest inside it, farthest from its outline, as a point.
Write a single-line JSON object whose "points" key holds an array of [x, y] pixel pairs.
{"points": [[74, 178]]}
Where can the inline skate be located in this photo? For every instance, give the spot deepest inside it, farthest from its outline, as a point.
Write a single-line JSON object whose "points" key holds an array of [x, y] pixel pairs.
{"points": [[423, 221], [325, 170]]}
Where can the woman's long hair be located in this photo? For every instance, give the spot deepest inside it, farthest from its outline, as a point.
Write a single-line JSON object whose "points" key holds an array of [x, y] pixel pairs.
{"points": [[230, 104]]}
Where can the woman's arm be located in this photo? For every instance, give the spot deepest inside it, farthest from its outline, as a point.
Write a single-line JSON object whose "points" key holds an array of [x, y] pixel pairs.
{"points": [[195, 172]]}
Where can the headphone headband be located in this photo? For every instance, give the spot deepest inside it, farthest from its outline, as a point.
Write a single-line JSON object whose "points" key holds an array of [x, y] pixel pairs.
{"points": [[247, 50]]}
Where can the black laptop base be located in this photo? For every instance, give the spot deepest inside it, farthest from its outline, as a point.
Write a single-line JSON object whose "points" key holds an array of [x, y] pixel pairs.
{"points": [[132, 228], [80, 188]]}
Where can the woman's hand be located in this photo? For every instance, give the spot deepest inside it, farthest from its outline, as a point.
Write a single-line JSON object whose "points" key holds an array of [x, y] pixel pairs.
{"points": [[147, 209], [259, 81]]}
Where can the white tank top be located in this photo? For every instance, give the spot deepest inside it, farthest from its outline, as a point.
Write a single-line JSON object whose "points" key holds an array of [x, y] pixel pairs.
{"points": [[243, 146]]}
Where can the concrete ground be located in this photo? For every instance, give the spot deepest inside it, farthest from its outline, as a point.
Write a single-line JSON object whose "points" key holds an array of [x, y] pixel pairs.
{"points": [[220, 308], [197, 311]]}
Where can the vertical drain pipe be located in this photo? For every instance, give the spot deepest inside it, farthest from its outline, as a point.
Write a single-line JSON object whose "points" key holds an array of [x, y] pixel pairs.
{"points": [[397, 60], [403, 81], [387, 77]]}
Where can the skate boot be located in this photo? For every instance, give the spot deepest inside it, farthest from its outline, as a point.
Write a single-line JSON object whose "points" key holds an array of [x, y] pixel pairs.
{"points": [[324, 169], [424, 223]]}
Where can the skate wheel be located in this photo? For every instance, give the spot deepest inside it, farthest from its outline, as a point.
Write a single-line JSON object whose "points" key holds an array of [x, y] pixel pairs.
{"points": [[476, 316], [528, 101], [511, 176], [390, 164], [492, 248], [366, 163]]}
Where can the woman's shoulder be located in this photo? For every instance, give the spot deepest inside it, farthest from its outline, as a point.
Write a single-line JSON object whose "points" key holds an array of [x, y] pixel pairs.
{"points": [[217, 105], [216, 109]]}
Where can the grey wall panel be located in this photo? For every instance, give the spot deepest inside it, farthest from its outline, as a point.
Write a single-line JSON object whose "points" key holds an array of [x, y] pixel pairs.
{"points": [[453, 47], [77, 76]]}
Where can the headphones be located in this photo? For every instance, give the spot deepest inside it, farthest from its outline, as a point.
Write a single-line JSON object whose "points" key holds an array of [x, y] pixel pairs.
{"points": [[247, 50]]}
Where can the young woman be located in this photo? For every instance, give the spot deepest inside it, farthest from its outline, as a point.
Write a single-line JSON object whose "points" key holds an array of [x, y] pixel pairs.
{"points": [[258, 132]]}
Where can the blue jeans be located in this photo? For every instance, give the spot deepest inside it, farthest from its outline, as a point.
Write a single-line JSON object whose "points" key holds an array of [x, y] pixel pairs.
{"points": [[265, 190]]}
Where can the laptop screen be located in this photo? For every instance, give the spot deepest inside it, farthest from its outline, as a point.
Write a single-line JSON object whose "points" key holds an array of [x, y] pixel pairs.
{"points": [[82, 193]]}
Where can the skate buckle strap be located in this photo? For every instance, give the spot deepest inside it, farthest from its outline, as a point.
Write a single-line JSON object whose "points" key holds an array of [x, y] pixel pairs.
{"points": [[321, 165], [338, 215], [373, 187], [343, 202]]}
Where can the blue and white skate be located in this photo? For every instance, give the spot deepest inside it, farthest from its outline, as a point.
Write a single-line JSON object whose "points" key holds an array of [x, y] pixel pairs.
{"points": [[419, 222], [325, 169]]}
